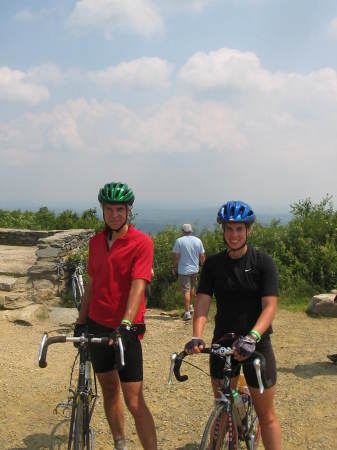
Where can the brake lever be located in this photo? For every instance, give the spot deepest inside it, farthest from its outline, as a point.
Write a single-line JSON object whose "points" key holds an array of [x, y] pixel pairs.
{"points": [[257, 367], [121, 350], [173, 358]]}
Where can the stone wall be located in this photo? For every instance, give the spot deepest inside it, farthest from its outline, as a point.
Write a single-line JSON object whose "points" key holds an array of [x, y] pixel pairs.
{"points": [[46, 280], [40, 281], [29, 238]]}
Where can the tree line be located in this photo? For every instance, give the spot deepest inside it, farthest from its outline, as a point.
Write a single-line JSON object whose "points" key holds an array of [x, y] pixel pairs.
{"points": [[304, 249], [45, 219]]}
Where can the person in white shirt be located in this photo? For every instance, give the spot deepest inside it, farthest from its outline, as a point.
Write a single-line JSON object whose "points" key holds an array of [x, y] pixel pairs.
{"points": [[188, 251]]}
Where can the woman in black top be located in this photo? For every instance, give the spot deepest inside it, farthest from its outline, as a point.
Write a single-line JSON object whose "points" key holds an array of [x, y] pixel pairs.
{"points": [[244, 283]]}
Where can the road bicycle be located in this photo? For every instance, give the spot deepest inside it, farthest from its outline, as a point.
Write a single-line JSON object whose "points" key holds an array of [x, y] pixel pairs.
{"points": [[82, 400], [77, 269], [227, 427]]}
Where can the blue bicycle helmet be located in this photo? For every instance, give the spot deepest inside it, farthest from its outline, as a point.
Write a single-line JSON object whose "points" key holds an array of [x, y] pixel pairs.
{"points": [[235, 211]]}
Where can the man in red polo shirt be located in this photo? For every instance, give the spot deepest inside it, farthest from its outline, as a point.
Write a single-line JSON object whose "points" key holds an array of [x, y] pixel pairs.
{"points": [[119, 267]]}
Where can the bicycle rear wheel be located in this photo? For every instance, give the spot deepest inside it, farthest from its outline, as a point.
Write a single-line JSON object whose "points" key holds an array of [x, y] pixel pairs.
{"points": [[220, 432], [253, 427], [76, 292]]}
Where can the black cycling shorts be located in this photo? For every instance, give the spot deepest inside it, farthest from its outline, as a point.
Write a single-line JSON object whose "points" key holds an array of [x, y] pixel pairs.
{"points": [[104, 359], [268, 372]]}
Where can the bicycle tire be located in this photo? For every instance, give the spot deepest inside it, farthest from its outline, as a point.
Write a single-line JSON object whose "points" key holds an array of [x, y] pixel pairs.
{"points": [[78, 433], [253, 427], [76, 296], [223, 442]]}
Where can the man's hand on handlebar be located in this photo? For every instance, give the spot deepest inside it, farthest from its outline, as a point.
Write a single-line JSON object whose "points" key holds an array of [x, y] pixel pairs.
{"points": [[123, 331], [195, 345]]}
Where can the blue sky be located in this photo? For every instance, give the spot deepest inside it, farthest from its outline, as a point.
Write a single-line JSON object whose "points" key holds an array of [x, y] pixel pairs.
{"points": [[192, 102]]}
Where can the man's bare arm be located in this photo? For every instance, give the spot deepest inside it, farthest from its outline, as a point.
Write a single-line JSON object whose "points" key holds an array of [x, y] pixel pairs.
{"points": [[176, 257], [135, 299]]}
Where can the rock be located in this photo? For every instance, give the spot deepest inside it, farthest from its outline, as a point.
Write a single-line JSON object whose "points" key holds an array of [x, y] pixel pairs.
{"points": [[29, 314], [62, 316], [323, 305], [43, 269], [16, 260], [14, 300], [47, 252], [22, 284], [6, 282]]}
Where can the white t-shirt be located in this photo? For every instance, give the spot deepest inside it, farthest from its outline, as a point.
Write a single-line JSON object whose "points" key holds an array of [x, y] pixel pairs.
{"points": [[189, 248]]}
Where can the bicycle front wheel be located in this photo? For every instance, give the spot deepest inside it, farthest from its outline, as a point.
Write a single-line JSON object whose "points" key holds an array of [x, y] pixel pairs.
{"points": [[220, 432], [253, 427], [79, 435]]}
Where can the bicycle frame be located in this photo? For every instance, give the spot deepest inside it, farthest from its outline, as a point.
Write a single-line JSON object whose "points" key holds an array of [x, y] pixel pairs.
{"points": [[83, 395], [238, 429], [82, 400], [77, 285]]}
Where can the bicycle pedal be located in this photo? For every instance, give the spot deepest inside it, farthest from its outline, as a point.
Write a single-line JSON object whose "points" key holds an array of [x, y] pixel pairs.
{"points": [[63, 406]]}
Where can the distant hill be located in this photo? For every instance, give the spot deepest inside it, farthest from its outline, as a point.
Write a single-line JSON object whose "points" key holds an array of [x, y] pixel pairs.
{"points": [[152, 220]]}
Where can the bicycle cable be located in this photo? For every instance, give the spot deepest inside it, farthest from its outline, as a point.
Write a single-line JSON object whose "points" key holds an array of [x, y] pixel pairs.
{"points": [[72, 369], [196, 367]]}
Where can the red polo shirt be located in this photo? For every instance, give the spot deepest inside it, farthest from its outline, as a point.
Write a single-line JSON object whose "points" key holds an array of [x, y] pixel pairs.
{"points": [[129, 258]]}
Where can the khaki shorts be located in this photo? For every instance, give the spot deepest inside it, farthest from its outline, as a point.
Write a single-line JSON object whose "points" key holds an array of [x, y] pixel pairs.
{"points": [[187, 282]]}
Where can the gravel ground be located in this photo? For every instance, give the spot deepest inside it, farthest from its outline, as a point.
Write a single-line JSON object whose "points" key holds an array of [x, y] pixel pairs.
{"points": [[306, 397]]}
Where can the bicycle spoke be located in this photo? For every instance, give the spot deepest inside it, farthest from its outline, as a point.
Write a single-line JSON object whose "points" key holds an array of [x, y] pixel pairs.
{"points": [[220, 432]]}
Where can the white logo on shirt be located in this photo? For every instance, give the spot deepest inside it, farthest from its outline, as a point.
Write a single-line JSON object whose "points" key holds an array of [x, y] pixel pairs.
{"points": [[248, 270]]}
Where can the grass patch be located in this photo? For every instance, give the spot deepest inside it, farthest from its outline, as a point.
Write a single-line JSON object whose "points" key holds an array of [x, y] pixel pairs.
{"points": [[173, 300], [293, 304]]}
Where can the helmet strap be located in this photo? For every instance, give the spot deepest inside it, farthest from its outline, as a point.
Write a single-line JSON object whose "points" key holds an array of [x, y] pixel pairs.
{"points": [[112, 230]]}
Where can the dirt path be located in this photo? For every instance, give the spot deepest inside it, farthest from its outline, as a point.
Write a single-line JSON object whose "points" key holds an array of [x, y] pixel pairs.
{"points": [[306, 398]]}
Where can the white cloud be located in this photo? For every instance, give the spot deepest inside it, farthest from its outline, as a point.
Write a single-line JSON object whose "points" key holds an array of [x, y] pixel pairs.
{"points": [[289, 144], [50, 73], [144, 72], [226, 68], [139, 16], [15, 86], [196, 6], [98, 127], [231, 70], [332, 27], [275, 126]]}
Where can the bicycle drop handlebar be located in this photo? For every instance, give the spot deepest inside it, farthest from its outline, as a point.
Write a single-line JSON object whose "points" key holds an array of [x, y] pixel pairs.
{"points": [[46, 341], [177, 359]]}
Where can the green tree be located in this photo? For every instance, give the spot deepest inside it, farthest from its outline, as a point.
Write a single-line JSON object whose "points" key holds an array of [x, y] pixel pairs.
{"points": [[66, 220], [44, 219]]}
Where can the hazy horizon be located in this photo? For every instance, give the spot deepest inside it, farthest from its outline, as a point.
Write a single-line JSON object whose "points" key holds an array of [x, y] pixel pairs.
{"points": [[152, 219]]}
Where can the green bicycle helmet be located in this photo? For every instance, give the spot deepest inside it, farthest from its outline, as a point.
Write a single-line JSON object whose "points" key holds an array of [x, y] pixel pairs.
{"points": [[116, 192]]}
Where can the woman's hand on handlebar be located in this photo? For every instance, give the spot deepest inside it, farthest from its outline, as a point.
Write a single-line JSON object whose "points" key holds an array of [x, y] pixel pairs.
{"points": [[195, 345], [244, 347]]}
